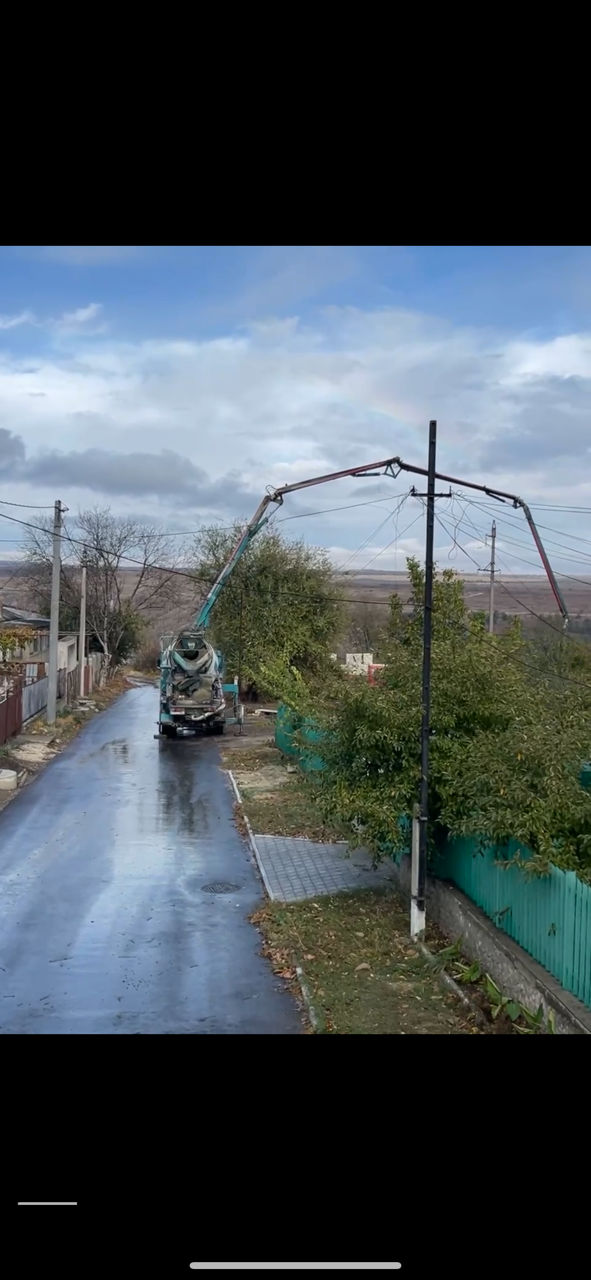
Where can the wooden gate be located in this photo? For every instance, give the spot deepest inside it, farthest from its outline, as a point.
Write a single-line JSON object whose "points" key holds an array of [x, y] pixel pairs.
{"points": [[11, 711]]}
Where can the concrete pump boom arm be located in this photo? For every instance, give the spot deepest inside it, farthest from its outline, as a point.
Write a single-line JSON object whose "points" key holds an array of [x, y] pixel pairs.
{"points": [[387, 467]]}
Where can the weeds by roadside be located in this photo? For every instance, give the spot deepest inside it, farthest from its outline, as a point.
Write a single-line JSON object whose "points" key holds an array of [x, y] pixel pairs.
{"points": [[364, 975], [506, 1015]]}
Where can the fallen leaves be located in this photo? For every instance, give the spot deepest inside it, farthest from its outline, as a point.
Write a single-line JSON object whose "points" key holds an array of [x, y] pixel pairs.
{"points": [[349, 982]]}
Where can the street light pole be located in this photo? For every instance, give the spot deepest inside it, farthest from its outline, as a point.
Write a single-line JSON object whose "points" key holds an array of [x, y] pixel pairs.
{"points": [[417, 908]]}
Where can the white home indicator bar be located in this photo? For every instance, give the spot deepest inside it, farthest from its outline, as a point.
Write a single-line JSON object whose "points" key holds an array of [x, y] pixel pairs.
{"points": [[51, 1203], [295, 1266]]}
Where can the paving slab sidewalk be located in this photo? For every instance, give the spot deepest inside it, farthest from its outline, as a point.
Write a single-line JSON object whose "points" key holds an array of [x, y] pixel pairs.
{"points": [[294, 869]]}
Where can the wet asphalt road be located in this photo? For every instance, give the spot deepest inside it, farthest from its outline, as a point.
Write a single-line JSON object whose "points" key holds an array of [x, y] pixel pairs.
{"points": [[105, 926]]}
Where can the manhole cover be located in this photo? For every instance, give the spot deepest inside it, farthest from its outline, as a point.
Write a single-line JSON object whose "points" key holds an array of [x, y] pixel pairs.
{"points": [[220, 886]]}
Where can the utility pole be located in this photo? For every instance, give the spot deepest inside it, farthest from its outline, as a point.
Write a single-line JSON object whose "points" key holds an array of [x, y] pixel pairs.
{"points": [[82, 640], [419, 881], [240, 639], [491, 604], [54, 616]]}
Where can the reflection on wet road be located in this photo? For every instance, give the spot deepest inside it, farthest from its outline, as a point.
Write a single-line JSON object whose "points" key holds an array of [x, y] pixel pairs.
{"points": [[125, 891]]}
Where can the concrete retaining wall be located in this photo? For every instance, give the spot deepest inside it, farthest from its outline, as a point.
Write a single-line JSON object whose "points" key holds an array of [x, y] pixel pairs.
{"points": [[515, 972]]}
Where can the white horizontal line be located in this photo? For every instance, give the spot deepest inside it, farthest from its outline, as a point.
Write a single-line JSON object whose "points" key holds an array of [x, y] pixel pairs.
{"points": [[295, 1266], [52, 1203]]}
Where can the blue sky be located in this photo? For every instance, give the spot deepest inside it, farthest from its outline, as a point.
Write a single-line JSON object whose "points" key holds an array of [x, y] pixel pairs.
{"points": [[177, 382], [199, 289]]}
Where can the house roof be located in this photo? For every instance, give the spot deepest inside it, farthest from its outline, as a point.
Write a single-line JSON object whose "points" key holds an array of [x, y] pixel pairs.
{"points": [[21, 617]]}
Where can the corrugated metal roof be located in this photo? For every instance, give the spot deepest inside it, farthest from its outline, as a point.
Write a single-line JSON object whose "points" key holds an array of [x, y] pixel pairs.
{"points": [[22, 616]]}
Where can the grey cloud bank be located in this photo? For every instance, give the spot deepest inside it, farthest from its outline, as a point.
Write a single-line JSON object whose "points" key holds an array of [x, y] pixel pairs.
{"points": [[164, 475]]}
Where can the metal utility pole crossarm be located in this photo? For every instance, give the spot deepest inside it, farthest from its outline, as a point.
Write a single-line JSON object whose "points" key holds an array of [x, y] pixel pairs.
{"points": [[54, 614]]}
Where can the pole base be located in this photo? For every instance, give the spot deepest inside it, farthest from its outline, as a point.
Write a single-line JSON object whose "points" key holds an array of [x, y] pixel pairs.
{"points": [[417, 920]]}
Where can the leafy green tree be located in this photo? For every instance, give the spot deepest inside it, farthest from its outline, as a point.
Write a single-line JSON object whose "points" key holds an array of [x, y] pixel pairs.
{"points": [[509, 733], [279, 613]]}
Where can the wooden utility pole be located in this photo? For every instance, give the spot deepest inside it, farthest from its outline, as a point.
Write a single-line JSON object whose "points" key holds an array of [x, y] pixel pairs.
{"points": [[491, 601], [54, 617]]}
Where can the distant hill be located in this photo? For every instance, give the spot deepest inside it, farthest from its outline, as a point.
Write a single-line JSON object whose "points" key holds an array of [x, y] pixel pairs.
{"points": [[533, 591]]}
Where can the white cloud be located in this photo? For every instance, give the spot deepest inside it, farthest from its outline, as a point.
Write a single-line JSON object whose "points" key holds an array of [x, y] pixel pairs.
{"points": [[82, 315], [69, 322], [14, 322], [285, 400]]}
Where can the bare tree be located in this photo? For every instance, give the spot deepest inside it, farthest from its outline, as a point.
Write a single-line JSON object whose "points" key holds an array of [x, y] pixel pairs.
{"points": [[131, 576]]}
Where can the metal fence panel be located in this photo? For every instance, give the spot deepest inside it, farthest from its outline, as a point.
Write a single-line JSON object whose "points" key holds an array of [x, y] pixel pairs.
{"points": [[549, 916], [34, 698]]}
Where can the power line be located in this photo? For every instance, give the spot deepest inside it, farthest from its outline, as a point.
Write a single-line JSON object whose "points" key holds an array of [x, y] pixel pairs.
{"points": [[25, 505], [543, 671], [465, 630], [525, 606], [517, 542], [471, 630], [389, 544], [317, 596], [90, 546], [549, 541], [162, 568], [543, 506], [394, 513], [559, 573], [494, 506], [193, 577], [452, 534], [372, 502], [580, 557], [182, 573]]}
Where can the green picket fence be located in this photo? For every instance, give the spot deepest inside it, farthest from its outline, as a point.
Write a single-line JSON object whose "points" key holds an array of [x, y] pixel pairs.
{"points": [[287, 725], [550, 917]]}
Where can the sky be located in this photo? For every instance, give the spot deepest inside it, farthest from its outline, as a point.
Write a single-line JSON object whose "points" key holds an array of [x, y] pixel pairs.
{"points": [[176, 383]]}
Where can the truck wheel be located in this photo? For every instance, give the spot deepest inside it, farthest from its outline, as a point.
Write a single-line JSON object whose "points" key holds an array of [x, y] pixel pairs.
{"points": [[168, 730], [219, 726]]}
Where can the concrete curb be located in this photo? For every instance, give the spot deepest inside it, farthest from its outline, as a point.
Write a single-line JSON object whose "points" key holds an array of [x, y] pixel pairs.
{"points": [[313, 1016], [451, 985], [252, 841], [253, 844]]}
